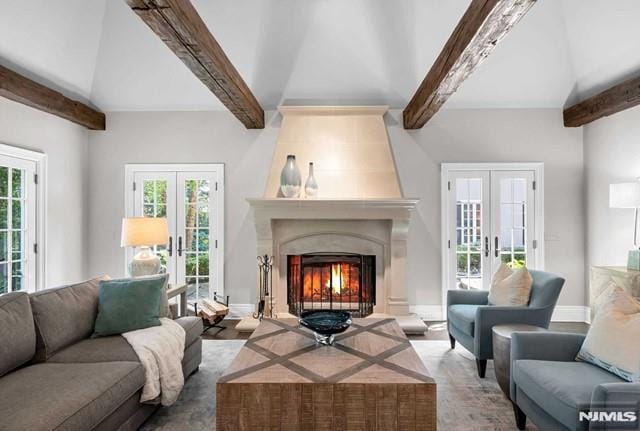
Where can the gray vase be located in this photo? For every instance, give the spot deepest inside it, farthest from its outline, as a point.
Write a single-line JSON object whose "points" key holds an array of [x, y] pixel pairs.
{"points": [[290, 179], [311, 185]]}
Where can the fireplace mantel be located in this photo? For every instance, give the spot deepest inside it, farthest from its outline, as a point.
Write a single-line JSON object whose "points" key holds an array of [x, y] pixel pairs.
{"points": [[397, 211]]}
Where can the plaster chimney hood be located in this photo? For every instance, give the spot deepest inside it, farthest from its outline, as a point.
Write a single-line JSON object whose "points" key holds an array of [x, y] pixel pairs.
{"points": [[348, 146]]}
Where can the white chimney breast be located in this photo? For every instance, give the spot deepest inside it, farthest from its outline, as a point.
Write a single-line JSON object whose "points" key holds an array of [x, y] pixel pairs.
{"points": [[348, 145]]}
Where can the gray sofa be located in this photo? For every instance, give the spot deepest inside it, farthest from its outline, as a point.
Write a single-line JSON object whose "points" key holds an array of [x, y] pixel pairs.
{"points": [[550, 387], [470, 317], [53, 376]]}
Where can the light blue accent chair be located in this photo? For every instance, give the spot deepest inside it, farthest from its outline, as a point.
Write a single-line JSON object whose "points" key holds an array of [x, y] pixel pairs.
{"points": [[470, 318]]}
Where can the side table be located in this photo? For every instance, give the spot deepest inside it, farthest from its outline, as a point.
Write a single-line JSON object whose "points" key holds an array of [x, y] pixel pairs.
{"points": [[502, 351], [179, 290]]}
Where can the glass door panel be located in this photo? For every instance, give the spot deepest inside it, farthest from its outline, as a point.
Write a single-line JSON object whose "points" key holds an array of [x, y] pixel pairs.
{"points": [[17, 215], [513, 218], [196, 233], [154, 196], [469, 229]]}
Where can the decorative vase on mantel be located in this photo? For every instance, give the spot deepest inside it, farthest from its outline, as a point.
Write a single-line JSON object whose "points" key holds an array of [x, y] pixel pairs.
{"points": [[290, 178], [311, 185]]}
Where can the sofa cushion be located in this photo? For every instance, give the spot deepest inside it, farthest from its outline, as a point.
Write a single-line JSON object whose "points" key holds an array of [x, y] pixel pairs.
{"points": [[103, 349], [562, 389], [463, 316], [17, 331], [63, 316], [192, 327], [66, 396]]}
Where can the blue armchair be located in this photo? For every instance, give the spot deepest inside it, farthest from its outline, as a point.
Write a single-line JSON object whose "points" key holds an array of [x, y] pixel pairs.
{"points": [[470, 317], [551, 388]]}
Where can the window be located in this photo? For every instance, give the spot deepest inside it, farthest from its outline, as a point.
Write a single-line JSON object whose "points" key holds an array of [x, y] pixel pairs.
{"points": [[20, 232]]}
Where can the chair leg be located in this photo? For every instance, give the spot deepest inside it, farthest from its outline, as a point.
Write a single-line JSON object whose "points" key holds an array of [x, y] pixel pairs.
{"points": [[452, 341], [482, 367], [521, 418]]}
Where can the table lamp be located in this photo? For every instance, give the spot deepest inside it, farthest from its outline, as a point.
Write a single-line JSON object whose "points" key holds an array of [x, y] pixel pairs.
{"points": [[143, 233], [627, 195]]}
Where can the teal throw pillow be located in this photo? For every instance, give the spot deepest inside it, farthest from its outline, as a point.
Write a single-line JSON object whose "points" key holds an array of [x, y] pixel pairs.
{"points": [[127, 305]]}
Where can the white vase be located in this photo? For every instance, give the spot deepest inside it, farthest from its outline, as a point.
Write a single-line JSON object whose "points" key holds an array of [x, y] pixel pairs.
{"points": [[290, 178], [311, 185]]}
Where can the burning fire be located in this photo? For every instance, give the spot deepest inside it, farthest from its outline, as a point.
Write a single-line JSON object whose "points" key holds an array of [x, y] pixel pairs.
{"points": [[336, 278]]}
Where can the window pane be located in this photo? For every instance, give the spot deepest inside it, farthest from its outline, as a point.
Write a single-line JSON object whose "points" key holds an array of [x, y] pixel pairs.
{"points": [[203, 191], [4, 222], [148, 192], [190, 212], [4, 285], [191, 191], [161, 192], [203, 264], [148, 211], [203, 215], [191, 264], [16, 183], [203, 240], [161, 211], [17, 214], [190, 240], [3, 247], [4, 181]]}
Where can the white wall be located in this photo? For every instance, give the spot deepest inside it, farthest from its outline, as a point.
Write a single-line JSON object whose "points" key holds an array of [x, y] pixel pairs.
{"points": [[451, 136], [493, 135], [612, 154], [66, 147], [180, 137]]}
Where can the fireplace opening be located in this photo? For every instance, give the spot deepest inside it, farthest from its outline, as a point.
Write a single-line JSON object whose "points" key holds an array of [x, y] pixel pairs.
{"points": [[331, 281]]}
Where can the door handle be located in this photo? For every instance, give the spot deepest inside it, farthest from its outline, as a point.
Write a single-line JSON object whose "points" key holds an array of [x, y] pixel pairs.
{"points": [[180, 246], [497, 248], [170, 248], [486, 246]]}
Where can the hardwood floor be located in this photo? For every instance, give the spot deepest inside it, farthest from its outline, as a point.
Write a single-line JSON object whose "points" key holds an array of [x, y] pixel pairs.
{"points": [[437, 331]]}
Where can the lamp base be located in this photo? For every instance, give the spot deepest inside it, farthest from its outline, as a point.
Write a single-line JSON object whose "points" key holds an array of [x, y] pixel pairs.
{"points": [[633, 261], [145, 262]]}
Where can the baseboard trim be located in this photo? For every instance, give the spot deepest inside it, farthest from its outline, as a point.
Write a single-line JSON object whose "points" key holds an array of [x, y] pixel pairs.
{"points": [[562, 313], [238, 311], [571, 313], [429, 313]]}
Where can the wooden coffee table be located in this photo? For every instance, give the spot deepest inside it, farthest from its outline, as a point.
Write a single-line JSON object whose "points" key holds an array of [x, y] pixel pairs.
{"points": [[371, 378]]}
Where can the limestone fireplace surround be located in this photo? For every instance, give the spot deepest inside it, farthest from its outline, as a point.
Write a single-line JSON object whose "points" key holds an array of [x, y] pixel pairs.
{"points": [[359, 209]]}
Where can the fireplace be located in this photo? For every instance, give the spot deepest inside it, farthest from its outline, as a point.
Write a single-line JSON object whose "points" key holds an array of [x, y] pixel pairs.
{"points": [[331, 281]]}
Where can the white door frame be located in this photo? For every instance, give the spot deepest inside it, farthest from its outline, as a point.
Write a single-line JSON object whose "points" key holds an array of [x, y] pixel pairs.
{"points": [[40, 160], [447, 168], [129, 173]]}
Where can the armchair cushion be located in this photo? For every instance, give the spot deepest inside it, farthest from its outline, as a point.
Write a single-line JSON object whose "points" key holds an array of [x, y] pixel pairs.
{"points": [[510, 287], [463, 316], [562, 389]]}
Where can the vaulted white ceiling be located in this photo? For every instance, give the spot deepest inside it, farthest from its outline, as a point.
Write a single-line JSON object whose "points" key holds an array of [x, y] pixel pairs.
{"points": [[320, 51]]}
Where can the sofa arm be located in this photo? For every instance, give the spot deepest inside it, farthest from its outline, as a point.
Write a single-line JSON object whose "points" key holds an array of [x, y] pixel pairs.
{"points": [[474, 297], [489, 316]]}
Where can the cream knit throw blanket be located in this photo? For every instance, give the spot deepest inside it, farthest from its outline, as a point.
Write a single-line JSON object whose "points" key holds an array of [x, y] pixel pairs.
{"points": [[160, 350]]}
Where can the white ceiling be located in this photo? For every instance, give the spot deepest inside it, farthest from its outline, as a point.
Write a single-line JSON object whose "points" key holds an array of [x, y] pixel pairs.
{"points": [[320, 51]]}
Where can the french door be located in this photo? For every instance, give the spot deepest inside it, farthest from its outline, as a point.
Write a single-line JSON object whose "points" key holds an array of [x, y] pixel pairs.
{"points": [[18, 236], [191, 198], [491, 215]]}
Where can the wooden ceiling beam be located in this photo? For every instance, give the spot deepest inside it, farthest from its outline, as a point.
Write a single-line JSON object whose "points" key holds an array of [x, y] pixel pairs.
{"points": [[615, 99], [182, 29], [23, 90], [482, 26]]}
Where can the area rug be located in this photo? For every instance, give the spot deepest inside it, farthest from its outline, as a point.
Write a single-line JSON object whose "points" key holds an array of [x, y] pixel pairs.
{"points": [[465, 402]]}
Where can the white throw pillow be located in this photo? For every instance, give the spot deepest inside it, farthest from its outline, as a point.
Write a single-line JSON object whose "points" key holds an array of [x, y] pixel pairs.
{"points": [[510, 287], [612, 340]]}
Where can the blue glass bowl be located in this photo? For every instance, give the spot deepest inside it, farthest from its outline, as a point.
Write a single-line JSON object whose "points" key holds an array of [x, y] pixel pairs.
{"points": [[326, 324]]}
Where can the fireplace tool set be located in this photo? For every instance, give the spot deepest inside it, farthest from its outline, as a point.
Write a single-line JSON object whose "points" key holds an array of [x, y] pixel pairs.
{"points": [[265, 272]]}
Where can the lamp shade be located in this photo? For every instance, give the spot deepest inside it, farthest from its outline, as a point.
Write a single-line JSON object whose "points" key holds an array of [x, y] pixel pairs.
{"points": [[144, 231], [624, 195]]}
